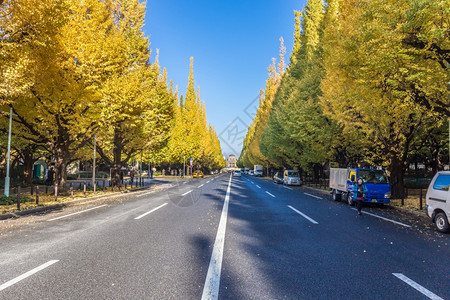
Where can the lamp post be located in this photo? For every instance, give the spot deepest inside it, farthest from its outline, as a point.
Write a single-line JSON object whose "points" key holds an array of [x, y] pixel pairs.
{"points": [[8, 156], [93, 163], [140, 171]]}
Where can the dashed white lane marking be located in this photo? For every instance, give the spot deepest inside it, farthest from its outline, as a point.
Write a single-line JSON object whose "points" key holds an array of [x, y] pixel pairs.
{"points": [[314, 196], [383, 218], [208, 181], [200, 185], [144, 194], [258, 186], [185, 182], [417, 286], [303, 215], [27, 274], [212, 283], [286, 187], [149, 212], [186, 193], [270, 194], [76, 213]]}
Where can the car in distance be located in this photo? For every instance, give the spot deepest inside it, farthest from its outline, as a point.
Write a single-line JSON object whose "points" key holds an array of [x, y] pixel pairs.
{"points": [[438, 201], [251, 173], [277, 178], [198, 174], [291, 177], [237, 173]]}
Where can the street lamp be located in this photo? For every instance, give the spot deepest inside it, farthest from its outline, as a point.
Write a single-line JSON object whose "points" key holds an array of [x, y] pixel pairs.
{"points": [[93, 163], [8, 156]]}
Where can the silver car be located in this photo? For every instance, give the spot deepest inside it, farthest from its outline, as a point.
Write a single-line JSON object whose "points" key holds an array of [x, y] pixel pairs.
{"points": [[291, 177]]}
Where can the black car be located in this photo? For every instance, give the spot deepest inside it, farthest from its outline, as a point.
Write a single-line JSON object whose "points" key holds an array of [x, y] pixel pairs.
{"points": [[278, 177]]}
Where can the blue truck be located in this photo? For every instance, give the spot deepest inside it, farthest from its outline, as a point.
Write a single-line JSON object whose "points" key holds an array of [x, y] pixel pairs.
{"points": [[376, 181]]}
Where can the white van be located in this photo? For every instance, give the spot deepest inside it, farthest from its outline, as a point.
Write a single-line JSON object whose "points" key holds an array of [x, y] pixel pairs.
{"points": [[438, 200], [291, 177]]}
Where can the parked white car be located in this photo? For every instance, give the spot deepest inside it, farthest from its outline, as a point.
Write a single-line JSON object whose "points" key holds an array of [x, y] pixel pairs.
{"points": [[291, 177], [438, 200]]}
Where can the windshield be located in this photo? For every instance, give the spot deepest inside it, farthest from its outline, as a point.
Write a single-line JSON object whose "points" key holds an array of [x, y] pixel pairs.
{"points": [[373, 176], [292, 174]]}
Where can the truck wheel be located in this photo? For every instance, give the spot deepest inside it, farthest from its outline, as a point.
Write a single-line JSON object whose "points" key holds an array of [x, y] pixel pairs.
{"points": [[350, 199], [441, 222], [335, 196]]}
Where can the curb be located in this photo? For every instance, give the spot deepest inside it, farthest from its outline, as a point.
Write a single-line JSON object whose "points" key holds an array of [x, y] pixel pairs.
{"points": [[68, 203], [406, 210]]}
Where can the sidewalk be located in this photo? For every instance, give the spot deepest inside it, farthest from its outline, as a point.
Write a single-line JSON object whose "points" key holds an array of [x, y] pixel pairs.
{"points": [[88, 199]]}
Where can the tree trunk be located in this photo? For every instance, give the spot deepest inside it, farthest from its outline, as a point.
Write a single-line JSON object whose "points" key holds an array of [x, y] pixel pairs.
{"points": [[27, 166], [117, 159], [397, 172], [61, 154]]}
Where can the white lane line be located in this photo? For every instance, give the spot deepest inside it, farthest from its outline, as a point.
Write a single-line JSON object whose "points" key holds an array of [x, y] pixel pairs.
{"points": [[144, 194], [417, 286], [200, 186], [185, 182], [270, 194], [186, 193], [212, 283], [317, 197], [258, 186], [27, 274], [208, 181], [383, 218], [149, 212], [76, 213], [303, 215], [286, 187]]}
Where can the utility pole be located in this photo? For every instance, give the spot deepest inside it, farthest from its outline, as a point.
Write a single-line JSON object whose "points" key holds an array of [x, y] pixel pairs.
{"points": [[93, 163], [8, 155], [140, 171]]}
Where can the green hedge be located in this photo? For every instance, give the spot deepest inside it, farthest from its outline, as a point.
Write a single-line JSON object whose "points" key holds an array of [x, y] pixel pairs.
{"points": [[13, 199]]}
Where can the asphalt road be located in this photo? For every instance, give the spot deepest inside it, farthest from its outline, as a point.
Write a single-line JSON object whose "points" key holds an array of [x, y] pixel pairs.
{"points": [[226, 237]]}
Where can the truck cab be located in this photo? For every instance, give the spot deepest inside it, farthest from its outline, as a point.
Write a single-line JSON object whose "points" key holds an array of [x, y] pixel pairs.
{"points": [[438, 201]]}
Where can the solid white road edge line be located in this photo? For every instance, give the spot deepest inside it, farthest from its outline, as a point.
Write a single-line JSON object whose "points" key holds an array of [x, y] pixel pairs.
{"points": [[270, 194], [417, 286], [383, 218], [317, 197], [76, 213], [27, 274], [149, 212], [258, 186], [144, 194], [212, 283], [303, 215], [186, 193]]}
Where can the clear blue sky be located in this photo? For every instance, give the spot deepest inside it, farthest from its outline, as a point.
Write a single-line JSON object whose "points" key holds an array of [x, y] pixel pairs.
{"points": [[232, 43]]}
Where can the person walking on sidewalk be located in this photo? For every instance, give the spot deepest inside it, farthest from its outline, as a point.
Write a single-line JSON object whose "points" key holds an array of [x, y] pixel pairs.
{"points": [[359, 192]]}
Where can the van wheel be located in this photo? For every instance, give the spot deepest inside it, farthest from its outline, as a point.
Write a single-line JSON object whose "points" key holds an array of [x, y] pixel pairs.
{"points": [[335, 196], [441, 222], [350, 199]]}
